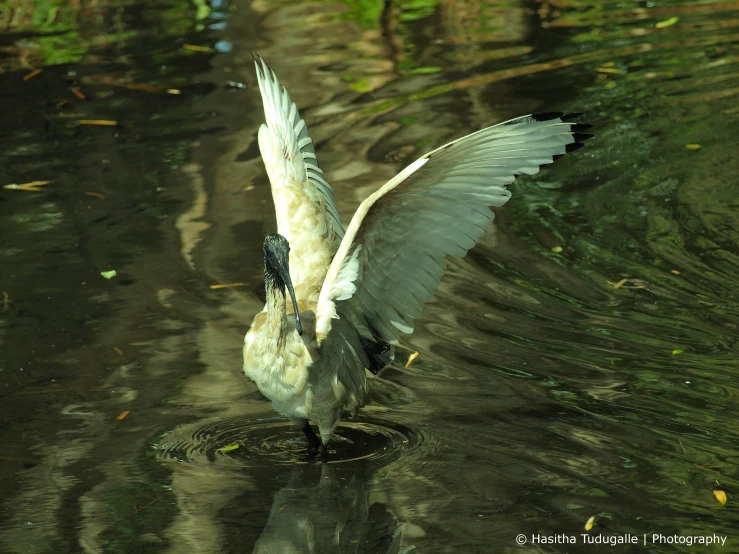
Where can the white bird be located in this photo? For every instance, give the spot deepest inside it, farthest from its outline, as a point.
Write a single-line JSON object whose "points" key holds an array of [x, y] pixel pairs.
{"points": [[354, 292]]}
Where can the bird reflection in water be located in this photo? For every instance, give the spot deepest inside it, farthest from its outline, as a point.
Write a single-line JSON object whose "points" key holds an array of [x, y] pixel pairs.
{"points": [[327, 510]]}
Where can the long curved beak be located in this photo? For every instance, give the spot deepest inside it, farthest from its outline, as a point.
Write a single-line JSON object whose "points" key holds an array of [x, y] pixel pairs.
{"points": [[284, 271]]}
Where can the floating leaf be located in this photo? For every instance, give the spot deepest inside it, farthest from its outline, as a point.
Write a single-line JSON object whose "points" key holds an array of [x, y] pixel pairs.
{"points": [[693, 146], [619, 284], [32, 74], [411, 358], [720, 496], [556, 249], [677, 351], [108, 274], [228, 285], [589, 523], [105, 122], [228, 448], [667, 23], [675, 272], [196, 48], [123, 415], [31, 187]]}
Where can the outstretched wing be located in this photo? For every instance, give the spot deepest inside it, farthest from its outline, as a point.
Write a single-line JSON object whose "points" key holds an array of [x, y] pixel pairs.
{"points": [[394, 252], [304, 201]]}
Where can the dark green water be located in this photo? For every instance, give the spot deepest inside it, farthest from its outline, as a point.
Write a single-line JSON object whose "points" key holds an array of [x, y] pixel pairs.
{"points": [[581, 361]]}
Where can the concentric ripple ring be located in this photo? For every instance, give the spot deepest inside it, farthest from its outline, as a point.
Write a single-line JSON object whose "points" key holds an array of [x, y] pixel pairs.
{"points": [[249, 441]]}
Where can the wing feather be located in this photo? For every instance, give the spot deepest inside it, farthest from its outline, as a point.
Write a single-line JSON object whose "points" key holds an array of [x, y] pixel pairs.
{"points": [[304, 201], [439, 206]]}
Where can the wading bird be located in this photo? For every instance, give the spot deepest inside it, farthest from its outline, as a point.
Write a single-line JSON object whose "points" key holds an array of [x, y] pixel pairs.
{"points": [[353, 292]]}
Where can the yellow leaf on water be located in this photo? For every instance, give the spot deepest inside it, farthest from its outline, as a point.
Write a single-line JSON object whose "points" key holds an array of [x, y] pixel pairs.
{"points": [[214, 287], [32, 186], [556, 249], [589, 523], [720, 496], [693, 146], [32, 74], [619, 284], [196, 48], [228, 448], [104, 122], [411, 358], [677, 351], [667, 23], [109, 274]]}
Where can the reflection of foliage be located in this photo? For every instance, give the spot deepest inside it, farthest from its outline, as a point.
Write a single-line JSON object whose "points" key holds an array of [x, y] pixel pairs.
{"points": [[411, 10], [368, 12], [63, 33], [365, 12]]}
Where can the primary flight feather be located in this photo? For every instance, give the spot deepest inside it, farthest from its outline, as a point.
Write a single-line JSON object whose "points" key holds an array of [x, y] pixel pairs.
{"points": [[353, 292]]}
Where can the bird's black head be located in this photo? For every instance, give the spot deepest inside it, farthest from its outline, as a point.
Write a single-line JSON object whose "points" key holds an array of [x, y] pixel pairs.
{"points": [[277, 270]]}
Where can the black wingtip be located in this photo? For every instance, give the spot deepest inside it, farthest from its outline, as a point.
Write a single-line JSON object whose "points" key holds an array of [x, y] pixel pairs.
{"points": [[572, 147], [262, 65], [580, 127], [579, 137], [258, 61]]}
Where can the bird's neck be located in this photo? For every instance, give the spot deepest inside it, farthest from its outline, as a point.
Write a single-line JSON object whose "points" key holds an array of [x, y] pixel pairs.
{"points": [[276, 308]]}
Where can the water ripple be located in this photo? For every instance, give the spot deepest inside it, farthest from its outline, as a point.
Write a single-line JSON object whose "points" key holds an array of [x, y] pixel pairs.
{"points": [[242, 442]]}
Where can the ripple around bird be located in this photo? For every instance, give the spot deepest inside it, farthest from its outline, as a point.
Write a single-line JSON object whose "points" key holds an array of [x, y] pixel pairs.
{"points": [[246, 442]]}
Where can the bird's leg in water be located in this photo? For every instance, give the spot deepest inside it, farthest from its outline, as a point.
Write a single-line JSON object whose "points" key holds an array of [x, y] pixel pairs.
{"points": [[324, 453], [310, 434]]}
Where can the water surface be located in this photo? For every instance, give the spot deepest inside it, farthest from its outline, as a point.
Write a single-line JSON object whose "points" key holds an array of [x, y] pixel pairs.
{"points": [[581, 361]]}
